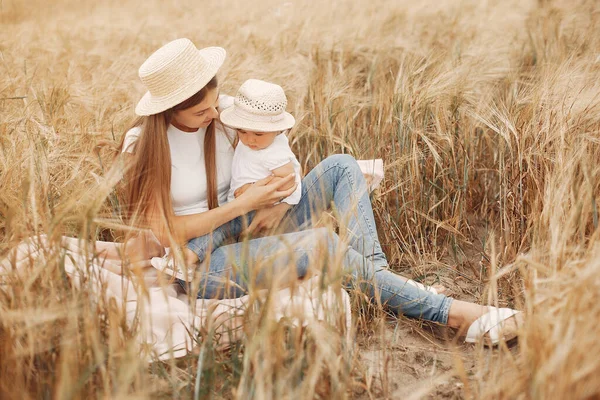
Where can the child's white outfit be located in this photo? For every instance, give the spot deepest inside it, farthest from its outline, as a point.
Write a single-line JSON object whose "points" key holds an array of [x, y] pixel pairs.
{"points": [[249, 166]]}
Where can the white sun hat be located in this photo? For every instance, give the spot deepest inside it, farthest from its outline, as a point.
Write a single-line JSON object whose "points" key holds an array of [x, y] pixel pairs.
{"points": [[259, 106], [176, 72]]}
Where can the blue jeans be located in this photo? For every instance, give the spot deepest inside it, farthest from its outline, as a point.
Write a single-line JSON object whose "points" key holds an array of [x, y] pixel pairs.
{"points": [[336, 184]]}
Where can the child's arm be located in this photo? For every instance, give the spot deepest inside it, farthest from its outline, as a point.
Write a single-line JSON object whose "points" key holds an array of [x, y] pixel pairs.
{"points": [[284, 171]]}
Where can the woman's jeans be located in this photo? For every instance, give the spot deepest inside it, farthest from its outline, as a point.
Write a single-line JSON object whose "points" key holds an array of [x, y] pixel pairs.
{"points": [[337, 185]]}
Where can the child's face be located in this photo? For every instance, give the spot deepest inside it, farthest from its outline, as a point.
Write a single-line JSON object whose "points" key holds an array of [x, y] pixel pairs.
{"points": [[257, 140]]}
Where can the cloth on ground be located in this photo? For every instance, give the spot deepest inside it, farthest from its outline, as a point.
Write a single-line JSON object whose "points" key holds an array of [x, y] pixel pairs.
{"points": [[167, 323]]}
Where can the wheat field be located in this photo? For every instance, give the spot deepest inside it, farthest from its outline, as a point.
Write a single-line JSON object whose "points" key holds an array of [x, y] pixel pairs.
{"points": [[487, 116]]}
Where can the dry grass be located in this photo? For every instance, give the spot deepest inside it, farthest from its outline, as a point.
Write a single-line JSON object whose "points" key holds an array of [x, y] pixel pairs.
{"points": [[486, 114]]}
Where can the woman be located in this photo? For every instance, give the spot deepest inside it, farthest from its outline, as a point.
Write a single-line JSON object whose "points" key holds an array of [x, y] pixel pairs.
{"points": [[179, 178]]}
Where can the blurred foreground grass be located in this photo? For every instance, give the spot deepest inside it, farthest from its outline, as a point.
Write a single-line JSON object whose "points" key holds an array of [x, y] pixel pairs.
{"points": [[485, 113]]}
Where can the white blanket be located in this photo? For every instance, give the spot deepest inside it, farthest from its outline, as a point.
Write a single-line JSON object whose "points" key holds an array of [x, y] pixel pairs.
{"points": [[168, 324]]}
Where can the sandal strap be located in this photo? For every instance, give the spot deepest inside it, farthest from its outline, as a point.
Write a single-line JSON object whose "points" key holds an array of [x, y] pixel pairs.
{"points": [[491, 323]]}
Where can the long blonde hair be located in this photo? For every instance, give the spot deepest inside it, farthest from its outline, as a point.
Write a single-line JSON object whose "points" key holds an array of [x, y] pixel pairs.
{"points": [[147, 186]]}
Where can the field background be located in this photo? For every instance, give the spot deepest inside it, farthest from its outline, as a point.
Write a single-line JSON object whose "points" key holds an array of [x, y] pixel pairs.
{"points": [[486, 114]]}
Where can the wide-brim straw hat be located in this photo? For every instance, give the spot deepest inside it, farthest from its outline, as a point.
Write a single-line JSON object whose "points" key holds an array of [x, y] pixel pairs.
{"points": [[259, 106], [176, 72]]}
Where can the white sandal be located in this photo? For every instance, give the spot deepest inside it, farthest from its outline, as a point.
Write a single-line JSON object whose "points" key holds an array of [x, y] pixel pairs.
{"points": [[421, 286], [492, 323]]}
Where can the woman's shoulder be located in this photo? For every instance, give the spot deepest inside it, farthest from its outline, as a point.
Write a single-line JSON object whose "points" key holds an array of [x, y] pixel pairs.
{"points": [[131, 136]]}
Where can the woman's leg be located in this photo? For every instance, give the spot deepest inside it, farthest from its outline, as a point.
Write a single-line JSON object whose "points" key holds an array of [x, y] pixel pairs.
{"points": [[234, 268], [197, 248], [337, 183], [230, 270]]}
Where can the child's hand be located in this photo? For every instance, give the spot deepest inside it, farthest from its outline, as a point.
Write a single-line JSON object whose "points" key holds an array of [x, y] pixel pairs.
{"points": [[238, 192]]}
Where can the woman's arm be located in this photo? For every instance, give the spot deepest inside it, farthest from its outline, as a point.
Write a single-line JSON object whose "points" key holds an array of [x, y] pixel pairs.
{"points": [[262, 194], [191, 226]]}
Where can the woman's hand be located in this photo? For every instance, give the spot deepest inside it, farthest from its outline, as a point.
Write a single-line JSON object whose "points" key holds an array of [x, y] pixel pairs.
{"points": [[265, 193], [239, 191], [266, 219]]}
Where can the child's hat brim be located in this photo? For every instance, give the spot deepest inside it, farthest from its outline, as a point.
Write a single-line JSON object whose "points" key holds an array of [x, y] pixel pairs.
{"points": [[257, 123]]}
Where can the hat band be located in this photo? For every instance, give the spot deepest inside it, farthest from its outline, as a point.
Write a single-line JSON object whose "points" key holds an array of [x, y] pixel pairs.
{"points": [[257, 117]]}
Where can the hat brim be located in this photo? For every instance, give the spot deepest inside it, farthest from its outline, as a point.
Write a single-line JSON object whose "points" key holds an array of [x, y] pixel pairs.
{"points": [[230, 118], [150, 105]]}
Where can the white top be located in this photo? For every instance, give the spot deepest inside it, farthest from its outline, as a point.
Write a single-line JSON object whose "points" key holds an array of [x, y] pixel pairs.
{"points": [[250, 165], [188, 173]]}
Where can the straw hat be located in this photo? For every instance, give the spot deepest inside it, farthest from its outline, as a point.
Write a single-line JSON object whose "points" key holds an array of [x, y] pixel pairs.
{"points": [[259, 107], [176, 72]]}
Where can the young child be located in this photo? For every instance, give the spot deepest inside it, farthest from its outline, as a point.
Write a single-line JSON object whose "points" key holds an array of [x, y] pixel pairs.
{"points": [[258, 114]]}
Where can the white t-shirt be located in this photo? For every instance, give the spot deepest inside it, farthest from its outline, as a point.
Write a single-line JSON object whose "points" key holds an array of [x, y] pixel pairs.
{"points": [[250, 165], [188, 173]]}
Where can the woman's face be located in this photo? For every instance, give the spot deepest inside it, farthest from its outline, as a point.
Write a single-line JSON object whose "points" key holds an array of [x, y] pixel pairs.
{"points": [[199, 116]]}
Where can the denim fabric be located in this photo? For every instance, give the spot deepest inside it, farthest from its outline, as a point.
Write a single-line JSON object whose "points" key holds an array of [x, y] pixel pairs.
{"points": [[228, 232], [335, 184]]}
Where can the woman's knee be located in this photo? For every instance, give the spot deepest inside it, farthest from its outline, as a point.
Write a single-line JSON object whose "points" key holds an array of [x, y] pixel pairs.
{"points": [[342, 160], [345, 165]]}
